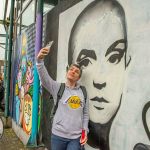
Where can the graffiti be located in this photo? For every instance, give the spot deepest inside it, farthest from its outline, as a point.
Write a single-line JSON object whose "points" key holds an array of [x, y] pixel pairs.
{"points": [[27, 113], [103, 61], [143, 146], [24, 88], [100, 36]]}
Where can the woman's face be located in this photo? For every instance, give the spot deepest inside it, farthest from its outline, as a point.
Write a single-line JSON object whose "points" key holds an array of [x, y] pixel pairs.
{"points": [[99, 47]]}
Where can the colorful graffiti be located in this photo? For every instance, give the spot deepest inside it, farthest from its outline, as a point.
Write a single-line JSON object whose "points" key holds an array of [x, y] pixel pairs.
{"points": [[27, 113], [24, 89], [24, 77]]}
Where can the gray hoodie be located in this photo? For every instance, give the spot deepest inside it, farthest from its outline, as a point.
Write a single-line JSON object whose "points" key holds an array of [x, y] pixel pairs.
{"points": [[72, 114]]}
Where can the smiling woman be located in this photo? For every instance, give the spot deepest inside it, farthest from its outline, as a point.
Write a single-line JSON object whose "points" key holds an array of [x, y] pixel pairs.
{"points": [[98, 43]]}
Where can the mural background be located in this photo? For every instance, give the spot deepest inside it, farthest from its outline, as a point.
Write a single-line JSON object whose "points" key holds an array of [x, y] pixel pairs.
{"points": [[51, 33], [128, 127], [131, 124], [23, 77]]}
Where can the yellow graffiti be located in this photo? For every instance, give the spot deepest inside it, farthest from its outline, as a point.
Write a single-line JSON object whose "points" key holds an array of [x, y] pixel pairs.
{"points": [[27, 123], [24, 40], [24, 43], [16, 89]]}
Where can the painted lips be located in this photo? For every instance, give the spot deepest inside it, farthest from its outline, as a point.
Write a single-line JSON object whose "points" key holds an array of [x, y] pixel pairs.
{"points": [[100, 100]]}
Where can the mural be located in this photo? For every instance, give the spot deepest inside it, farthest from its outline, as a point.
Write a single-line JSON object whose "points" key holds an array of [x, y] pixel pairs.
{"points": [[103, 61], [24, 80], [24, 86], [110, 46]]}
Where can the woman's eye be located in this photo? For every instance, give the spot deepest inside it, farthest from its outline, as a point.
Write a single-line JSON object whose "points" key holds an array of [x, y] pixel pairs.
{"points": [[115, 58], [70, 69], [84, 63]]}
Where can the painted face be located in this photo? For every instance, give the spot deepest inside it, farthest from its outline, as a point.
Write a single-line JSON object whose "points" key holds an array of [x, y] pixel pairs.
{"points": [[29, 78], [99, 48], [73, 73], [19, 77]]}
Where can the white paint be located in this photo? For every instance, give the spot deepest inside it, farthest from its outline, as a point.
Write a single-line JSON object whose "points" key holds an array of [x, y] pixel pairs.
{"points": [[127, 129], [64, 35]]}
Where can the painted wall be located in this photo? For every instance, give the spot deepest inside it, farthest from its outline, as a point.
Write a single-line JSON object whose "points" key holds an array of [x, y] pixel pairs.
{"points": [[110, 40], [22, 80]]}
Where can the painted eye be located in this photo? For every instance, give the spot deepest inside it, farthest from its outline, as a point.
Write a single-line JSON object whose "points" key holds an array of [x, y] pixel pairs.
{"points": [[85, 57], [114, 59], [84, 63]]}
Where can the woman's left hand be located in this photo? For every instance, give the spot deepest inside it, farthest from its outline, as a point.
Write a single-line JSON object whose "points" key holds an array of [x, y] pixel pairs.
{"points": [[83, 140]]}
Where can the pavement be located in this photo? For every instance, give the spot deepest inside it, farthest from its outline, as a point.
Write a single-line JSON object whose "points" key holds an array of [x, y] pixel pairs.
{"points": [[9, 140]]}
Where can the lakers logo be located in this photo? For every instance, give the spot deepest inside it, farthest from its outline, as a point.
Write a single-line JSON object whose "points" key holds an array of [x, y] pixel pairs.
{"points": [[74, 102]]}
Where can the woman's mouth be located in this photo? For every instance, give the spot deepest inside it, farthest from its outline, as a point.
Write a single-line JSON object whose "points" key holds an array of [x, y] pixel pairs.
{"points": [[100, 100]]}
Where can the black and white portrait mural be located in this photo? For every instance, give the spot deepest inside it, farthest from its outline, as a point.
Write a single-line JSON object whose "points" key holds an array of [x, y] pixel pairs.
{"points": [[109, 39], [102, 55]]}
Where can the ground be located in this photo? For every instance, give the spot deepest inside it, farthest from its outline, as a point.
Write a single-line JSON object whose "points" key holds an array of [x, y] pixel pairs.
{"points": [[9, 140]]}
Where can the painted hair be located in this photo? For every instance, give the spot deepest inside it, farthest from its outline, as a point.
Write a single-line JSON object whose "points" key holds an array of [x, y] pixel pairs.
{"points": [[112, 6]]}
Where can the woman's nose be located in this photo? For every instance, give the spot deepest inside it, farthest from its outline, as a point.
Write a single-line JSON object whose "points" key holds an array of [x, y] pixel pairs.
{"points": [[73, 71], [99, 85]]}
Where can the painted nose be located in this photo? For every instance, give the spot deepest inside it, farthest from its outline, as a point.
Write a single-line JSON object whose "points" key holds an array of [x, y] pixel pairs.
{"points": [[99, 85]]}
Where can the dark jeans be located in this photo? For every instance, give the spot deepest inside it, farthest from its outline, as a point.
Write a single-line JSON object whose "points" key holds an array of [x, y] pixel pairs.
{"points": [[60, 143]]}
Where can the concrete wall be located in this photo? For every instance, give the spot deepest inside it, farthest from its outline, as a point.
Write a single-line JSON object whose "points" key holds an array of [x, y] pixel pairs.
{"points": [[110, 40]]}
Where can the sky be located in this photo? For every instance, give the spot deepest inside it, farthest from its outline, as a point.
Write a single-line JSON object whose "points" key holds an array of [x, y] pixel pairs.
{"points": [[2, 30], [27, 19]]}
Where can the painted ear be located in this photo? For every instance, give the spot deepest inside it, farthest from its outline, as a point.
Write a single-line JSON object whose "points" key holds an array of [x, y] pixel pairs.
{"points": [[128, 61]]}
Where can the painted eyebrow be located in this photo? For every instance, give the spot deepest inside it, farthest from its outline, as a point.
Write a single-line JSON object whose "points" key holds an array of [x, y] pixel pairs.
{"points": [[111, 48], [86, 53]]}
